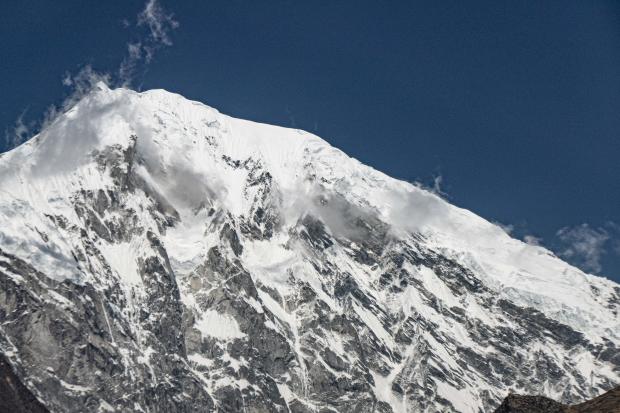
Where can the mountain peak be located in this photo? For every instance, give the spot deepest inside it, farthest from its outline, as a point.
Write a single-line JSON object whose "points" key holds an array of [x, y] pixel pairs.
{"points": [[259, 264], [184, 147]]}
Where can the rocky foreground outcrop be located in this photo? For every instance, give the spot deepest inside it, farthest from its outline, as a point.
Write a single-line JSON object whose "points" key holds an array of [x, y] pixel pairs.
{"points": [[608, 402]]}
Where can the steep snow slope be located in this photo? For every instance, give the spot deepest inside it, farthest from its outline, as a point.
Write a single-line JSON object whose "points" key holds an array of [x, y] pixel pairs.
{"points": [[160, 256]]}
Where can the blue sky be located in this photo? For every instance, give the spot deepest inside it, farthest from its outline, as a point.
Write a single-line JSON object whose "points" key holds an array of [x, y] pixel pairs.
{"points": [[513, 107]]}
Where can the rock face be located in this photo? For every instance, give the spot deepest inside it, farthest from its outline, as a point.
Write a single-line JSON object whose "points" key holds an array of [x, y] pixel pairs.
{"points": [[158, 256], [530, 404], [14, 396], [605, 403]]}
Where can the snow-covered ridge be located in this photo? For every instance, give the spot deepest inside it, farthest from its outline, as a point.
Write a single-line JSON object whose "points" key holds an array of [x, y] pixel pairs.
{"points": [[264, 269], [181, 144]]}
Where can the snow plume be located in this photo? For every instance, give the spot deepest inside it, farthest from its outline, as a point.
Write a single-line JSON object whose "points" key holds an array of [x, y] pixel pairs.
{"points": [[507, 228], [59, 150], [435, 186], [532, 240], [584, 246], [82, 83], [158, 25], [19, 132], [437, 181], [79, 85]]}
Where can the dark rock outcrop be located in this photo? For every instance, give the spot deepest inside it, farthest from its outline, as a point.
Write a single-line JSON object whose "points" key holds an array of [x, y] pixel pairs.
{"points": [[14, 396], [608, 402]]}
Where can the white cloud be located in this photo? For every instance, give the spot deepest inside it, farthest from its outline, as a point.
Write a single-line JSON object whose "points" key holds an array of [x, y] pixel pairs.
{"points": [[435, 188], [128, 66], [158, 22], [80, 85], [584, 246], [614, 231], [134, 50], [159, 25], [437, 181], [67, 80], [532, 240], [84, 80], [19, 133], [139, 53], [507, 228]]}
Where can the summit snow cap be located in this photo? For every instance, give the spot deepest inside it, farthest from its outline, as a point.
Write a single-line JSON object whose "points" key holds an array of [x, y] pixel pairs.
{"points": [[185, 150]]}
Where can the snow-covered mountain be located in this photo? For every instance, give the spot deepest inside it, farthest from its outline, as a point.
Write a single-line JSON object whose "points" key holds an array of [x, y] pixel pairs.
{"points": [[158, 256]]}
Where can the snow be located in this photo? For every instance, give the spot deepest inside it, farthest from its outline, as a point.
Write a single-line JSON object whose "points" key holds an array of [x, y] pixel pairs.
{"points": [[24, 240], [270, 260], [276, 309], [75, 387], [59, 298], [192, 158], [460, 399], [383, 391], [104, 406], [375, 325], [200, 359], [220, 326], [122, 257]]}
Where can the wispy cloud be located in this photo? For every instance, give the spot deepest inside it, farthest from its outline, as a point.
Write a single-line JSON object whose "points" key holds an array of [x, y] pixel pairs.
{"points": [[159, 25], [84, 81], [154, 26], [532, 240], [19, 132], [437, 182], [127, 68], [159, 22], [584, 246], [507, 228], [436, 186], [79, 84], [614, 231]]}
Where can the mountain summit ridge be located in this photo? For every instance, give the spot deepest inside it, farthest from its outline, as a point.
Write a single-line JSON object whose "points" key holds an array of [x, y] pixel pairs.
{"points": [[258, 266]]}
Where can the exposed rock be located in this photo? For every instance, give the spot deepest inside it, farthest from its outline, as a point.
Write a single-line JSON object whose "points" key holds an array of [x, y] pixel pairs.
{"points": [[14, 396], [608, 402], [183, 261]]}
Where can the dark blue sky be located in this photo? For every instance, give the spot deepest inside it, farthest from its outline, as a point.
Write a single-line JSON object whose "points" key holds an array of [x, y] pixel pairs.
{"points": [[515, 104]]}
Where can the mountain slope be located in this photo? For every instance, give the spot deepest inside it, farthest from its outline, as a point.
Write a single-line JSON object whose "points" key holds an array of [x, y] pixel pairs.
{"points": [[156, 255]]}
